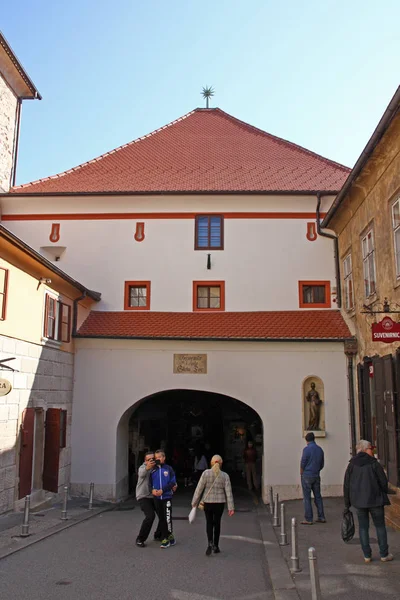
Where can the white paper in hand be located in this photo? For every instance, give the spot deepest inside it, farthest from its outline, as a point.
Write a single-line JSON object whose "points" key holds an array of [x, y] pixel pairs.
{"points": [[192, 515]]}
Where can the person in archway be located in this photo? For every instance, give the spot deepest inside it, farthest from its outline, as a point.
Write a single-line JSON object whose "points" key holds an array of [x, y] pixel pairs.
{"points": [[250, 458], [163, 484], [200, 464], [215, 490], [145, 498]]}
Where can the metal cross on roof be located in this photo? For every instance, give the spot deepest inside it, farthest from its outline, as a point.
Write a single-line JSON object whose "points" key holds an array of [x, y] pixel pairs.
{"points": [[207, 93]]}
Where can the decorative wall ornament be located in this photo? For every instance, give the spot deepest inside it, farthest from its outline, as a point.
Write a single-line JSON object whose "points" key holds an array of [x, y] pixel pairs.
{"points": [[311, 232], [314, 406], [55, 233], [139, 233]]}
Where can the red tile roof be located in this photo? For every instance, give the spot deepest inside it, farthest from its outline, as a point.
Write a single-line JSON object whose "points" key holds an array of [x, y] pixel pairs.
{"points": [[206, 151], [279, 325]]}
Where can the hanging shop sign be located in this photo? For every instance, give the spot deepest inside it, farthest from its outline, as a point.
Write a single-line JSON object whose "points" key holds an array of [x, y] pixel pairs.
{"points": [[5, 387], [386, 331]]}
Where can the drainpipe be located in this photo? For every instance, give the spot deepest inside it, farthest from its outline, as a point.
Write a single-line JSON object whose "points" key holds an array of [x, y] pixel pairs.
{"points": [[75, 315], [336, 252], [16, 142], [351, 403]]}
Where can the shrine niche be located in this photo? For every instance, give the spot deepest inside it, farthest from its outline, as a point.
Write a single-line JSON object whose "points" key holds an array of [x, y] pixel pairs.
{"points": [[314, 406]]}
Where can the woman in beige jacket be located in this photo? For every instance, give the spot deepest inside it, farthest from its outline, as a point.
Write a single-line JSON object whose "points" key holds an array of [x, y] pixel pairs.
{"points": [[215, 489]]}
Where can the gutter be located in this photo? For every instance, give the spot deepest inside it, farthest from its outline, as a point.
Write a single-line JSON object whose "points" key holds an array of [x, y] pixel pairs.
{"points": [[18, 243], [164, 192], [336, 251], [206, 339], [377, 135]]}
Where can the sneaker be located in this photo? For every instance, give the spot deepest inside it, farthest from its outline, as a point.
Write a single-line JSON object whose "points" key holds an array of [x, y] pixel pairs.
{"points": [[140, 544], [172, 540], [306, 523], [387, 558], [165, 544], [216, 550], [367, 559], [209, 550]]}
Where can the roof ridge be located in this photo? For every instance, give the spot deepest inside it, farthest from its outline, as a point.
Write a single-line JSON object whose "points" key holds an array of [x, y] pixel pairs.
{"points": [[276, 138], [101, 156]]}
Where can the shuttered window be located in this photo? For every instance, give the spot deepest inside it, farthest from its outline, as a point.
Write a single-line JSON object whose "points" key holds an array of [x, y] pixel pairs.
{"points": [[368, 252], [396, 234], [348, 283], [57, 320], [3, 292], [209, 234]]}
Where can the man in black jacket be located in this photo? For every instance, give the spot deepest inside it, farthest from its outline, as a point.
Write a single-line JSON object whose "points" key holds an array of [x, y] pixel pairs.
{"points": [[366, 488]]}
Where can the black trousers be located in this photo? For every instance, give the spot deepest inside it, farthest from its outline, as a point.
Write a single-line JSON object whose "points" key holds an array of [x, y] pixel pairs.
{"points": [[213, 512], [148, 507], [164, 513]]}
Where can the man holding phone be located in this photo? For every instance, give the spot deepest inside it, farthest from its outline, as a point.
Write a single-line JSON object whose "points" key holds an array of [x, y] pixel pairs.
{"points": [[145, 498]]}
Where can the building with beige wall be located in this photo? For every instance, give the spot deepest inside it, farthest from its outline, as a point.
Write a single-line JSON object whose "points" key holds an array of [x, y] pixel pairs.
{"points": [[39, 307], [15, 86], [366, 218]]}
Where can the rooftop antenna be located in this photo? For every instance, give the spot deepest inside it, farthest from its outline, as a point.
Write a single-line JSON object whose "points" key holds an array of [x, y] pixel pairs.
{"points": [[207, 93]]}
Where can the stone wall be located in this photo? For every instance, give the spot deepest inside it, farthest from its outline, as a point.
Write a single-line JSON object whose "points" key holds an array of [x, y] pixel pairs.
{"points": [[44, 380], [8, 107], [368, 203]]}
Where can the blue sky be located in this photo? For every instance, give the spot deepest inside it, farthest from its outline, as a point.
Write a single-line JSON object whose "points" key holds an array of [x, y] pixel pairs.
{"points": [[319, 73]]}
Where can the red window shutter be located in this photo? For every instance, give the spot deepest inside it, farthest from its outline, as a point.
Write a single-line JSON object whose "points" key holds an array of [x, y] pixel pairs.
{"points": [[51, 450], [26, 452]]}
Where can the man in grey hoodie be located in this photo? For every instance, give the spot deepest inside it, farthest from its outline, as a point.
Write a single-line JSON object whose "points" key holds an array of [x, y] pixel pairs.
{"points": [[145, 498]]}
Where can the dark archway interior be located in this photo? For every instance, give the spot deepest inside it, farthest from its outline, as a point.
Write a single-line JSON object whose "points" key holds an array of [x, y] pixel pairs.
{"points": [[186, 423]]}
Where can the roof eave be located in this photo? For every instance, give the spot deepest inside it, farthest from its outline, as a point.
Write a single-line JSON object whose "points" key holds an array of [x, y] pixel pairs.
{"points": [[175, 192], [15, 241], [17, 64], [210, 339], [377, 135]]}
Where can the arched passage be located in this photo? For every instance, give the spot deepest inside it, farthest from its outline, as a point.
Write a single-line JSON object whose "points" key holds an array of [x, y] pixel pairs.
{"points": [[185, 422]]}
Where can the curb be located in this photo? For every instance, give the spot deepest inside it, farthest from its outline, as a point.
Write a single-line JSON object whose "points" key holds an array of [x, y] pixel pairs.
{"points": [[26, 542], [283, 586]]}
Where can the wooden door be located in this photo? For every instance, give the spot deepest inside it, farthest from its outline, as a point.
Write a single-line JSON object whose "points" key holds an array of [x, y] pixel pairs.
{"points": [[51, 450], [26, 452], [390, 419], [379, 388]]}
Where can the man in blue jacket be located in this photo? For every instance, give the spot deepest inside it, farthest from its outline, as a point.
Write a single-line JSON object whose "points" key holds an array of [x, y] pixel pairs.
{"points": [[163, 484], [312, 462]]}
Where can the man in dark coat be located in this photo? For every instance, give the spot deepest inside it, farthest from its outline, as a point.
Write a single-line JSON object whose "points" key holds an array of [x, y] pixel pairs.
{"points": [[366, 488]]}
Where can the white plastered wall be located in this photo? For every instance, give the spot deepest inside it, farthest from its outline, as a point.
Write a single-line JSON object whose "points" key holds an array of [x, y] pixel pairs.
{"points": [[112, 376]]}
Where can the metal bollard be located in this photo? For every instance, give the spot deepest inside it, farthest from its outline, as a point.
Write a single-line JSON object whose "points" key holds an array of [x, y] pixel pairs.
{"points": [[25, 522], [276, 511], [295, 568], [283, 537], [64, 515], [271, 500], [91, 493], [314, 575]]}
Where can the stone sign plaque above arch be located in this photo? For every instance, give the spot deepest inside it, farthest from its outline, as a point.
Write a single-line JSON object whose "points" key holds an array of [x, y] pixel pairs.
{"points": [[313, 400]]}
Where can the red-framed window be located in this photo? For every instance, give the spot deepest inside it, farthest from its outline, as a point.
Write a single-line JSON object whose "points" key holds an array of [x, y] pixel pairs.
{"points": [[3, 292], [314, 294], [208, 295], [209, 232], [137, 295], [57, 320]]}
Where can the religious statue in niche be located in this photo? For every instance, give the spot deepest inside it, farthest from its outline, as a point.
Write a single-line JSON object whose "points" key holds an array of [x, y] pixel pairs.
{"points": [[314, 409]]}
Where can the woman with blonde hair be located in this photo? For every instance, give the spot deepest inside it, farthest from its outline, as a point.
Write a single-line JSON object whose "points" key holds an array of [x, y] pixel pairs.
{"points": [[215, 489]]}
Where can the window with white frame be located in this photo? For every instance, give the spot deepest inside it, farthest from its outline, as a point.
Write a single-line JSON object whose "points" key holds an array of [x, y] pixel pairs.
{"points": [[368, 252], [396, 234], [57, 320], [348, 283]]}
